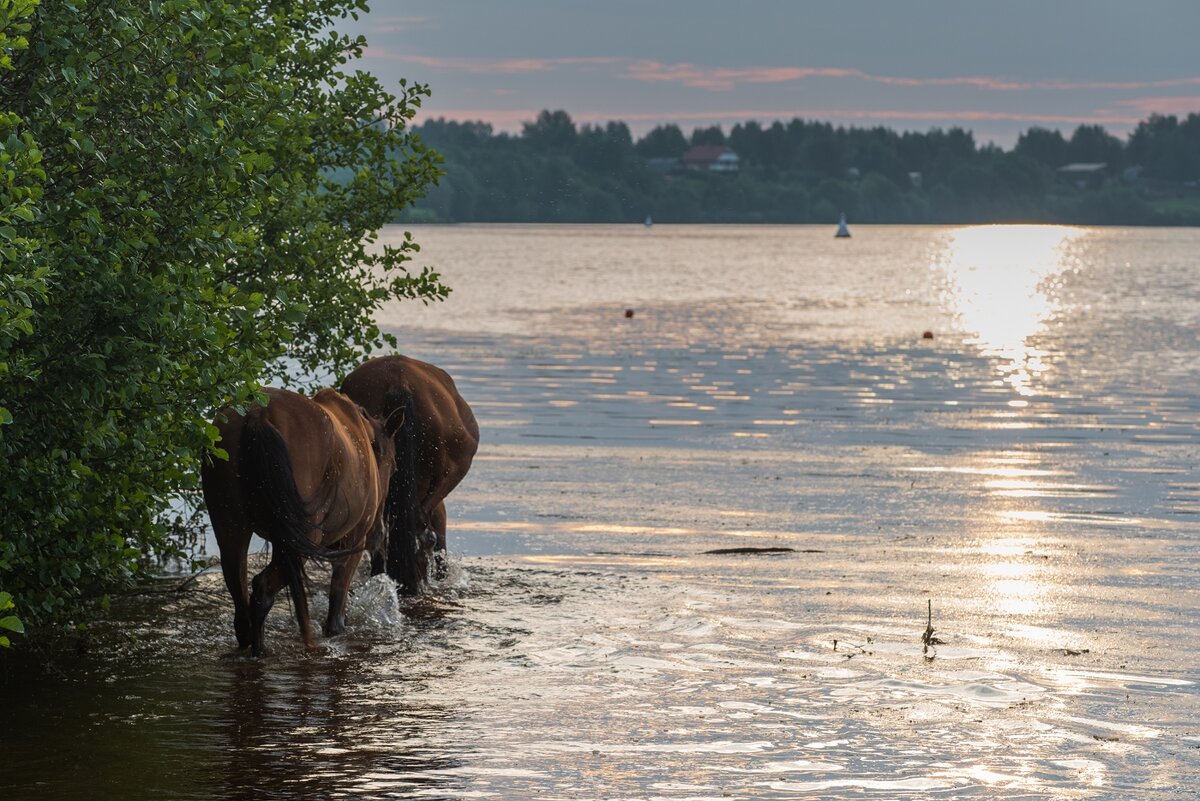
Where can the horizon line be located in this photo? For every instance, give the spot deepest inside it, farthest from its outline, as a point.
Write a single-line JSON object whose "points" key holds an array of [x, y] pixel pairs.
{"points": [[513, 120]]}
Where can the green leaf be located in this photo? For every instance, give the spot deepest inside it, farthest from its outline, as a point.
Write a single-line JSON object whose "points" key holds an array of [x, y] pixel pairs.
{"points": [[12, 623]]}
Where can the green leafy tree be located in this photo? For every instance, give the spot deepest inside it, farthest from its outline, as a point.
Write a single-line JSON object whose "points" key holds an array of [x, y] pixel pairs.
{"points": [[8, 623], [191, 197], [1168, 149], [604, 149], [552, 130], [1044, 146], [1091, 143], [23, 280], [880, 199], [665, 141], [1114, 204], [712, 135]]}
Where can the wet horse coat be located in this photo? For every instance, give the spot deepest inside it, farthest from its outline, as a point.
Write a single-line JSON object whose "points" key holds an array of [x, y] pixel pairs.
{"points": [[434, 449], [308, 475]]}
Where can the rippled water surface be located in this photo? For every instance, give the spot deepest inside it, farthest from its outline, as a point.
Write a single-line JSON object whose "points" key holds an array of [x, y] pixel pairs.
{"points": [[698, 549]]}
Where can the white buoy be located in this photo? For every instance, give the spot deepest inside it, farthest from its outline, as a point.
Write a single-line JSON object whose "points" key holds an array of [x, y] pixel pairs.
{"points": [[842, 232]]}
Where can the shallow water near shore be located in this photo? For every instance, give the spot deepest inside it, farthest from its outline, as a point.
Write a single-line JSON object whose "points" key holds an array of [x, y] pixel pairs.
{"points": [[696, 553]]}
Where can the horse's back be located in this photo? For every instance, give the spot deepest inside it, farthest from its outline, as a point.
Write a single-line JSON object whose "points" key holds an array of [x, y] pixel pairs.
{"points": [[338, 406], [345, 423], [446, 420], [355, 467]]}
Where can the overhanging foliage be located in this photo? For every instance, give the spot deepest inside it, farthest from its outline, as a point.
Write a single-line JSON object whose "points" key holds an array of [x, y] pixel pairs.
{"points": [[169, 232]]}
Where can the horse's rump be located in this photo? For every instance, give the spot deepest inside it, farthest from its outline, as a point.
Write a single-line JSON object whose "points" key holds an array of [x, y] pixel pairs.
{"points": [[434, 449]]}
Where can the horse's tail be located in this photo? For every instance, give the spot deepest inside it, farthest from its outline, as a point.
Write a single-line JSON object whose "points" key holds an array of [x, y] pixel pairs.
{"points": [[267, 480], [407, 561]]}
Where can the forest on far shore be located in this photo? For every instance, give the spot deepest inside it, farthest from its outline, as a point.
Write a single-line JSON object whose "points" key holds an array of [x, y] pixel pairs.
{"points": [[809, 172]]}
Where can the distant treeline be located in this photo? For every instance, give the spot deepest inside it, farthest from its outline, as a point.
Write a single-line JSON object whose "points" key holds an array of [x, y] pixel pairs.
{"points": [[802, 171]]}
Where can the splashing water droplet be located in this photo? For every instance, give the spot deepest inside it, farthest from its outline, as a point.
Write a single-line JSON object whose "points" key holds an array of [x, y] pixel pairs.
{"points": [[375, 606]]}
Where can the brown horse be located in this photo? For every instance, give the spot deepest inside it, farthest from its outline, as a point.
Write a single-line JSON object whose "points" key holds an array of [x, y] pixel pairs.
{"points": [[308, 475], [434, 449]]}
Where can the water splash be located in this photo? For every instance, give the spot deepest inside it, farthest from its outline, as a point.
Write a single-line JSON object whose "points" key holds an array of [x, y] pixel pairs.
{"points": [[374, 607]]}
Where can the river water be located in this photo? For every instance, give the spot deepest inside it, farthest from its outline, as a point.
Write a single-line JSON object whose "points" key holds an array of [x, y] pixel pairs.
{"points": [[699, 546]]}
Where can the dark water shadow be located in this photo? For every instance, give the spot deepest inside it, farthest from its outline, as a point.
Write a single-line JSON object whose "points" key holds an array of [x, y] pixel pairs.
{"points": [[160, 706], [319, 727]]}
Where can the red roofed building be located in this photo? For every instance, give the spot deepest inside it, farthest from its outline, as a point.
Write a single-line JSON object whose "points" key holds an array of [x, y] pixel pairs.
{"points": [[714, 158]]}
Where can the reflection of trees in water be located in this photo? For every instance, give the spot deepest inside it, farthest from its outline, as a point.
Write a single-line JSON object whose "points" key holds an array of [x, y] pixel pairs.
{"points": [[322, 725]]}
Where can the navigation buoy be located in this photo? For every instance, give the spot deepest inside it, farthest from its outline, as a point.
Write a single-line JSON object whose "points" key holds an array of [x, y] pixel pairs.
{"points": [[842, 232]]}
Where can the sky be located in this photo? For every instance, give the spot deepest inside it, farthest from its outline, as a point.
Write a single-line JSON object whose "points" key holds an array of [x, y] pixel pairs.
{"points": [[997, 67]]}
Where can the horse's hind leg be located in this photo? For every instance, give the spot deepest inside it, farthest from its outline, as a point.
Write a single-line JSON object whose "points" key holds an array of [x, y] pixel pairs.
{"points": [[377, 546], [339, 589], [233, 540], [437, 522], [234, 571], [284, 569]]}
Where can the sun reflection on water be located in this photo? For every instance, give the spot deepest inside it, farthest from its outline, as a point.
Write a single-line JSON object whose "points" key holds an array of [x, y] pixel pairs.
{"points": [[1013, 573], [1000, 288], [1017, 596]]}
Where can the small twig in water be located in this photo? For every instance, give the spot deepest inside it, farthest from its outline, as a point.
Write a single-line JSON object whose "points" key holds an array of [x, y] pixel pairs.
{"points": [[152, 589], [862, 649], [928, 637]]}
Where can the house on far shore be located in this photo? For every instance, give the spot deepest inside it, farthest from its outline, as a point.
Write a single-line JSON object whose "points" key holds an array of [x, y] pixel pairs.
{"points": [[1084, 174], [711, 158]]}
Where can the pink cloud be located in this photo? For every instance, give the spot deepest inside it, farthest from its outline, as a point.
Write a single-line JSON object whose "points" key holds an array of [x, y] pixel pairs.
{"points": [[1005, 116], [482, 66], [1179, 106], [725, 79], [1169, 83]]}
